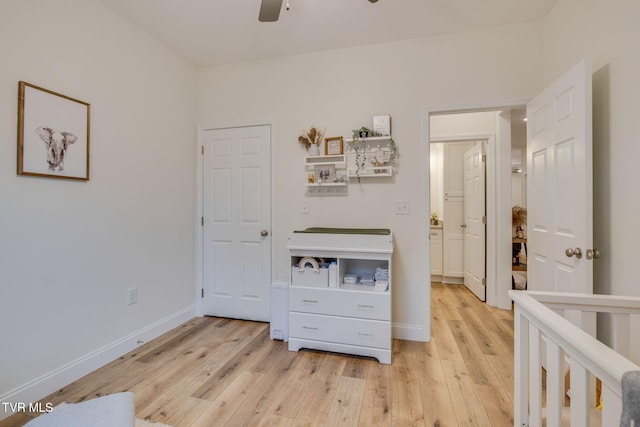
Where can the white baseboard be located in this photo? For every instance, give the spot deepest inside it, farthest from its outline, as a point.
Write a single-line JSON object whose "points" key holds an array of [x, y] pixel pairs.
{"points": [[41, 387], [410, 332]]}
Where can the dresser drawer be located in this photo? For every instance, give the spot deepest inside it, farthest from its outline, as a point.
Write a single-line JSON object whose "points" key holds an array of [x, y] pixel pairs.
{"points": [[357, 332], [341, 302]]}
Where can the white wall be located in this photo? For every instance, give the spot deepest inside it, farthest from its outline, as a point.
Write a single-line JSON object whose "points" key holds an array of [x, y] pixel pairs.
{"points": [[608, 33], [70, 250], [463, 124], [341, 90], [517, 189]]}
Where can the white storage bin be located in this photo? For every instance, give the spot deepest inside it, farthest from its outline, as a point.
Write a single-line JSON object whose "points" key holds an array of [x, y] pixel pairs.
{"points": [[333, 274], [350, 279], [308, 276]]}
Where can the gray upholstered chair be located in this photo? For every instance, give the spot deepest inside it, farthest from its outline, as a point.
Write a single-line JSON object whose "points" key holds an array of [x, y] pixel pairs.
{"points": [[630, 399]]}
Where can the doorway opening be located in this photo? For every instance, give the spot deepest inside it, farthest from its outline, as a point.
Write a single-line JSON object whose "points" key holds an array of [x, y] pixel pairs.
{"points": [[503, 131]]}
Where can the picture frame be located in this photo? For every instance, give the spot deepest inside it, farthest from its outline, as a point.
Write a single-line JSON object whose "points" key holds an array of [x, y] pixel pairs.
{"points": [[325, 174], [333, 146], [53, 134], [382, 124]]}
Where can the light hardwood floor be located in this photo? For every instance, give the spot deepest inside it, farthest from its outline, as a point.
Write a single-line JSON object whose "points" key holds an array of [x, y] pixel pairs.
{"points": [[221, 372]]}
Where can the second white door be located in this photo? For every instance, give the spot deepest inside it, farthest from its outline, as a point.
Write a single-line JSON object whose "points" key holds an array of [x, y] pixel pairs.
{"points": [[475, 220], [559, 185], [237, 222]]}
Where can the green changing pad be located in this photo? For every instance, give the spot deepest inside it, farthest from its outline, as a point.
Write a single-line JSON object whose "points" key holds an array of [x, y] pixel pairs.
{"points": [[328, 230]]}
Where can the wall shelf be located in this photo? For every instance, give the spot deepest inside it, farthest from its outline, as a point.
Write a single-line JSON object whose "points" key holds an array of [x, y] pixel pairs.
{"points": [[325, 160], [373, 172], [373, 150], [335, 168], [329, 188]]}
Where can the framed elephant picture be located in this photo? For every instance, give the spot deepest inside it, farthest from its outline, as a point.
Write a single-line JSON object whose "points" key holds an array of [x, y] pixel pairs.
{"points": [[53, 134]]}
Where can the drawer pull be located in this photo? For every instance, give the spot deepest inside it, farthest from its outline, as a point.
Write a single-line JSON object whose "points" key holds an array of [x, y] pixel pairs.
{"points": [[364, 334], [310, 327], [365, 306], [314, 301]]}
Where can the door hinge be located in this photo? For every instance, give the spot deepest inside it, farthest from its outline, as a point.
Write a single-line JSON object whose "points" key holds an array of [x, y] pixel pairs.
{"points": [[202, 293], [484, 219], [484, 158], [202, 221], [202, 149], [484, 281]]}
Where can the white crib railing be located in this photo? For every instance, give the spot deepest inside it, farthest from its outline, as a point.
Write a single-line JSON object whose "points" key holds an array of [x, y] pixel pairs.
{"points": [[538, 318]]}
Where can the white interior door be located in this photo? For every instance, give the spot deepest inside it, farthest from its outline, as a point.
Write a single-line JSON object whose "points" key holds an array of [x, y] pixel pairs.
{"points": [[559, 185], [237, 222], [453, 211], [475, 220]]}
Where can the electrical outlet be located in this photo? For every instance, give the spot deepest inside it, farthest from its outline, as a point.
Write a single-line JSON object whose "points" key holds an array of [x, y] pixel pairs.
{"points": [[132, 295], [304, 207], [402, 207]]}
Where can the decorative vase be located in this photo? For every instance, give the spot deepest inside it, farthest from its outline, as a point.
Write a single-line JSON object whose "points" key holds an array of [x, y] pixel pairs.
{"points": [[313, 150]]}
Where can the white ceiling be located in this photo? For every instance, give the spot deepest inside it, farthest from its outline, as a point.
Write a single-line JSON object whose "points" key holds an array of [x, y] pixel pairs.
{"points": [[210, 32]]}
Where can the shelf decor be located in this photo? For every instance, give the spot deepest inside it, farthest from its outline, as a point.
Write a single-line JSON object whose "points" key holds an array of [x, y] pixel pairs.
{"points": [[326, 175], [333, 146], [311, 139], [373, 154]]}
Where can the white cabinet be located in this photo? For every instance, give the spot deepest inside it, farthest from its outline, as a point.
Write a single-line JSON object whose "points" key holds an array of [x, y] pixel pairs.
{"points": [[352, 318], [435, 237]]}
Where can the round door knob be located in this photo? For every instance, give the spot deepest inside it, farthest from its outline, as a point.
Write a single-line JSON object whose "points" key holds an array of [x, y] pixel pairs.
{"points": [[593, 253], [577, 252], [264, 233]]}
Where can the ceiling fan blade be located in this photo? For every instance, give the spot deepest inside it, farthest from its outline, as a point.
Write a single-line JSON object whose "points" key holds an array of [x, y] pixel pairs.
{"points": [[270, 10]]}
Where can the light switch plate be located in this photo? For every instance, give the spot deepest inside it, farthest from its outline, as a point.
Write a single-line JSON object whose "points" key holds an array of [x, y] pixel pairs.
{"points": [[132, 295], [402, 207]]}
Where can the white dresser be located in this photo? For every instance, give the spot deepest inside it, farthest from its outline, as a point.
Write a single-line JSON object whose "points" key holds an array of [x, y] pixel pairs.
{"points": [[350, 318]]}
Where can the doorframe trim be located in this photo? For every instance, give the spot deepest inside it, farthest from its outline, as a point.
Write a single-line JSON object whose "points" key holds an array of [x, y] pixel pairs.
{"points": [[199, 208]]}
